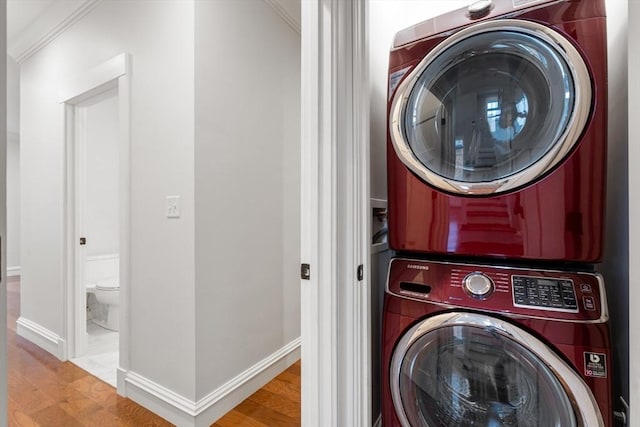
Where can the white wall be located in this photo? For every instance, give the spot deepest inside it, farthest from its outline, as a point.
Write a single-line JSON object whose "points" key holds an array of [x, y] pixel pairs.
{"points": [[13, 203], [13, 96], [13, 166], [247, 187], [3, 288], [159, 36], [615, 267], [100, 132]]}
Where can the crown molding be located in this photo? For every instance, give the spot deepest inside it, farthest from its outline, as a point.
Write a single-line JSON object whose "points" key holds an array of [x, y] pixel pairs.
{"points": [[285, 14], [63, 15], [49, 26]]}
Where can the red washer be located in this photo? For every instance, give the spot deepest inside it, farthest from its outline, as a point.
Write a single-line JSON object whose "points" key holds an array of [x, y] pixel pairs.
{"points": [[483, 345], [497, 132]]}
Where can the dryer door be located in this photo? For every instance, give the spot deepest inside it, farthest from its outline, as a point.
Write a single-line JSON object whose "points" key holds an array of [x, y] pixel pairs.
{"points": [[492, 108], [460, 369]]}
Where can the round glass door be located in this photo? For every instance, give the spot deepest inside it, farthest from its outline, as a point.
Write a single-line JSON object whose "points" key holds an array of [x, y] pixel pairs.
{"points": [[465, 376], [492, 108], [469, 369]]}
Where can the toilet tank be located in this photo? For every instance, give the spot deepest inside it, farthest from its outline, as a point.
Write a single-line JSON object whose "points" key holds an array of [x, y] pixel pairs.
{"points": [[101, 268]]}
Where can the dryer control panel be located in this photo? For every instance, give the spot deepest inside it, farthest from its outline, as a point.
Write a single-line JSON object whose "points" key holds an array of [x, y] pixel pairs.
{"points": [[528, 292]]}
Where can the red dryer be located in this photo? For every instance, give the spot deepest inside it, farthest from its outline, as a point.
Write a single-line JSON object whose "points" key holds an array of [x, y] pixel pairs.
{"points": [[497, 132], [483, 345]]}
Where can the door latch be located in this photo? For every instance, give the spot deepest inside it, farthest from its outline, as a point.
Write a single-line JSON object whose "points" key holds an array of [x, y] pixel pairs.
{"points": [[305, 272], [83, 241]]}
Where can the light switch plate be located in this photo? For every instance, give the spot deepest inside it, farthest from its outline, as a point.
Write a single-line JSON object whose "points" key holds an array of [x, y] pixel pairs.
{"points": [[173, 206]]}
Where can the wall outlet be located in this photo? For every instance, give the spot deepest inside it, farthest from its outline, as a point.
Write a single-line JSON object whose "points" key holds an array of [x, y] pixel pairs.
{"points": [[173, 206]]}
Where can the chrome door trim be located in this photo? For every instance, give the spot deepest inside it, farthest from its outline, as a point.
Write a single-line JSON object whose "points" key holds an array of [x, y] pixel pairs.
{"points": [[584, 403], [575, 126]]}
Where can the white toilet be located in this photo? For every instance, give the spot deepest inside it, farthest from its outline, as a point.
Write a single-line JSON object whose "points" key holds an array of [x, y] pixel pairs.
{"points": [[108, 293]]}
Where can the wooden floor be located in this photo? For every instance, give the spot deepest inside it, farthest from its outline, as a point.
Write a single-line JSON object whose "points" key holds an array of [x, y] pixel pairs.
{"points": [[46, 392]]}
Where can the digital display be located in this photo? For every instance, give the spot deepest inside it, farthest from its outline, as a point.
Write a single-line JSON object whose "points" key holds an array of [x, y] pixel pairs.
{"points": [[544, 293]]}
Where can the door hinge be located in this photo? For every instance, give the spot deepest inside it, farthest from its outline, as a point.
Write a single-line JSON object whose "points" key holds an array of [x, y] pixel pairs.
{"points": [[83, 240], [360, 272], [305, 272]]}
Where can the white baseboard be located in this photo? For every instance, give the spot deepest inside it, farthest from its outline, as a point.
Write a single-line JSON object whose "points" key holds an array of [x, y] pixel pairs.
{"points": [[184, 412], [378, 422], [13, 271], [121, 385], [164, 402], [42, 337]]}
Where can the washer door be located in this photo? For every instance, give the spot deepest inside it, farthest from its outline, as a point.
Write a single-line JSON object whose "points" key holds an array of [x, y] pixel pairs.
{"points": [[492, 108], [462, 369]]}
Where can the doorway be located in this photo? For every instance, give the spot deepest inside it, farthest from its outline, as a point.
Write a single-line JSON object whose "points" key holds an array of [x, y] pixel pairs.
{"points": [[96, 114], [97, 202]]}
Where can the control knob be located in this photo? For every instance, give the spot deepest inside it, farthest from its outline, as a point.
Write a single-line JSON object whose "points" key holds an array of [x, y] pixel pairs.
{"points": [[480, 8], [478, 285]]}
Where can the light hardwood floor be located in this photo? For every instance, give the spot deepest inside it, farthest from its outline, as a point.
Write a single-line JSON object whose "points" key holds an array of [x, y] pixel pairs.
{"points": [[46, 392]]}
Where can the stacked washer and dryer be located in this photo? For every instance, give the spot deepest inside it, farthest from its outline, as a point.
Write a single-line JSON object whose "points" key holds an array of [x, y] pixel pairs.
{"points": [[494, 314]]}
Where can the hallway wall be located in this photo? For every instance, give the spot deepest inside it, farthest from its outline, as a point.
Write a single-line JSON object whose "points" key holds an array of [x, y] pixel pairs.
{"points": [[13, 167], [247, 187], [214, 294], [162, 324]]}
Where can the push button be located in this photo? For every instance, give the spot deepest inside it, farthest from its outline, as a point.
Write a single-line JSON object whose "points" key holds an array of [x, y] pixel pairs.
{"points": [[585, 288], [589, 303]]}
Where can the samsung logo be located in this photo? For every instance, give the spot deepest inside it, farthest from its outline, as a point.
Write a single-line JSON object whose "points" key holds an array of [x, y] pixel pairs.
{"points": [[418, 267]]}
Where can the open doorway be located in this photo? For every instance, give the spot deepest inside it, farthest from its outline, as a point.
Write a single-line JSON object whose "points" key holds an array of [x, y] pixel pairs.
{"points": [[97, 200], [96, 114]]}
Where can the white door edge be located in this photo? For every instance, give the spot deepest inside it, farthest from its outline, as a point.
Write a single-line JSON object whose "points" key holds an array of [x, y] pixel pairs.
{"points": [[78, 117], [335, 306]]}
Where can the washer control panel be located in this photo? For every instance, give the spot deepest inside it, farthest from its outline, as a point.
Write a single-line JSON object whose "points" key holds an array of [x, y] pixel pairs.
{"points": [[553, 294], [544, 292]]}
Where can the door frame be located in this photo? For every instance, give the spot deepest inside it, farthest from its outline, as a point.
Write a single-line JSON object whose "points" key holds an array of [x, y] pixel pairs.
{"points": [[335, 220], [114, 73]]}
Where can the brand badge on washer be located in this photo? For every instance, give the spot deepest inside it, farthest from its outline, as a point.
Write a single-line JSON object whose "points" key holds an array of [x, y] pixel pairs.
{"points": [[595, 365], [418, 266]]}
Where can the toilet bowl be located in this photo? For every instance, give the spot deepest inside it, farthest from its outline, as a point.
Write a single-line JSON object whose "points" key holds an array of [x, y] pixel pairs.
{"points": [[108, 294]]}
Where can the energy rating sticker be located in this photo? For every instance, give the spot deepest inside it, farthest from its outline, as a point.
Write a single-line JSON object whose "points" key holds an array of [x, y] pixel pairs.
{"points": [[394, 80], [595, 365]]}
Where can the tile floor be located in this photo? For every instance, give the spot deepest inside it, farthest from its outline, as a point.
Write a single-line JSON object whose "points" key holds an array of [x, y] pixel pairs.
{"points": [[101, 358]]}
